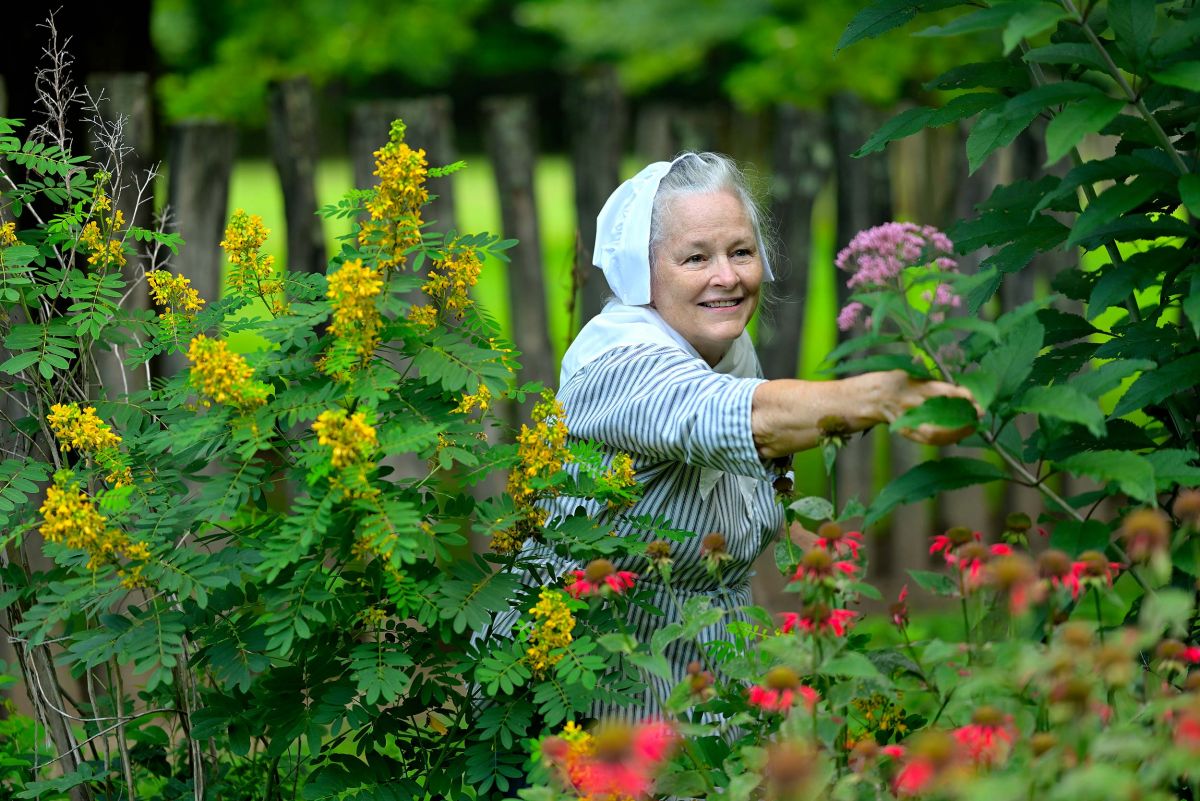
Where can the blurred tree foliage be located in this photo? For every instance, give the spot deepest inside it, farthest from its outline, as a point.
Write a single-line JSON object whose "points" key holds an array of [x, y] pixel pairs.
{"points": [[222, 54], [759, 52]]}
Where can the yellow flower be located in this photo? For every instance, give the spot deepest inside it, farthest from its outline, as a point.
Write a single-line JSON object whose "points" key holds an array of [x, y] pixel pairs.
{"points": [[552, 630], [353, 290], [349, 437], [81, 429], [253, 273], [450, 279], [541, 450], [395, 208], [102, 252], [8, 234], [220, 375], [174, 293], [423, 316], [70, 517], [482, 399]]}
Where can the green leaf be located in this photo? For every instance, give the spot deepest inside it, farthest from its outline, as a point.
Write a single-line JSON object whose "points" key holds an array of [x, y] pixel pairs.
{"points": [[910, 121], [1133, 22], [879, 18], [1174, 466], [1132, 474], [985, 19], [936, 583], [1012, 361], [852, 664], [1063, 402], [1191, 304], [1067, 53], [1030, 23], [994, 129], [1076, 536], [1185, 75], [1189, 193], [1112, 203], [813, 507], [1155, 386], [1076, 121], [1108, 376], [938, 411], [928, 479]]}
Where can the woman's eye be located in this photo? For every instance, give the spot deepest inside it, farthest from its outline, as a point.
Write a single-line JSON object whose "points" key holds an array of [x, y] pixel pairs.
{"points": [[695, 258], [743, 253]]}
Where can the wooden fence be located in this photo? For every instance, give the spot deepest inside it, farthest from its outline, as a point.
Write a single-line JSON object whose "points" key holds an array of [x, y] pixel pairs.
{"points": [[803, 151]]}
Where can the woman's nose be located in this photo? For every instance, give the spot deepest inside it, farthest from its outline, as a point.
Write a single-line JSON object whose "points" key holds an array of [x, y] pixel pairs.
{"points": [[723, 272]]}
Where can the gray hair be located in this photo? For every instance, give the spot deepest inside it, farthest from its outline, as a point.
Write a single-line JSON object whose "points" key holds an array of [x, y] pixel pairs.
{"points": [[699, 174]]}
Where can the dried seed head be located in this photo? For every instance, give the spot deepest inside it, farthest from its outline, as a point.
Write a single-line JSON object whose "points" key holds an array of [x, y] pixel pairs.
{"points": [[960, 535], [934, 745], [782, 678], [658, 550], [832, 426], [598, 569], [713, 543], [789, 767], [1187, 508], [1074, 690], [818, 560], [1011, 571], [1053, 564], [1095, 564], [974, 552], [987, 716], [829, 531], [783, 485], [1042, 742], [1077, 635], [694, 668], [818, 613], [1144, 533], [1171, 650], [612, 742], [1018, 522]]}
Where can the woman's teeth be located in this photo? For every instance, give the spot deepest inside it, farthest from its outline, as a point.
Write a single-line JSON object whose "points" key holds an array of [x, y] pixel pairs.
{"points": [[720, 304]]}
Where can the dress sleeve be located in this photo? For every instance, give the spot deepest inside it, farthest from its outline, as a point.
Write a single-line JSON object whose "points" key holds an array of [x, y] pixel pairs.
{"points": [[665, 405]]}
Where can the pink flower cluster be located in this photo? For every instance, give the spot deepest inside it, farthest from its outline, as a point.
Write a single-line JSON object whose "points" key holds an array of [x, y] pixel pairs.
{"points": [[876, 256]]}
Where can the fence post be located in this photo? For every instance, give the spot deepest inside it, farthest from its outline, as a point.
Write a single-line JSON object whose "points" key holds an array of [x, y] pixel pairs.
{"points": [[125, 112], [801, 166], [292, 134], [596, 115], [512, 144], [201, 161]]}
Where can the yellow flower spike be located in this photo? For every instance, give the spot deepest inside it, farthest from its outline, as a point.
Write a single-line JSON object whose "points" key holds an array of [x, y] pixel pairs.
{"points": [[253, 273], [69, 517], [552, 630], [351, 440], [481, 399], [80, 428], [8, 234], [395, 209], [353, 290], [222, 376]]}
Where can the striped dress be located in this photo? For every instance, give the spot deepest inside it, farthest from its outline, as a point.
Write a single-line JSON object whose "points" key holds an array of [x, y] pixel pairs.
{"points": [[679, 420]]}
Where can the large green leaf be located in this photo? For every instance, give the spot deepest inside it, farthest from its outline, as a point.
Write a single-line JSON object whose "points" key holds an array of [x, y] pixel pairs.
{"points": [[879, 18], [985, 19], [1063, 402], [1189, 193], [1131, 473], [1185, 75], [1114, 202], [910, 121], [928, 479], [1012, 361], [1174, 466], [1066, 53], [1133, 22], [1000, 125], [1155, 386], [938, 411], [1076, 121], [1030, 23]]}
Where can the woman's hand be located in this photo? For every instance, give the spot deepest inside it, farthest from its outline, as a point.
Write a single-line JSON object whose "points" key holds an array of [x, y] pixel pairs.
{"points": [[901, 392]]}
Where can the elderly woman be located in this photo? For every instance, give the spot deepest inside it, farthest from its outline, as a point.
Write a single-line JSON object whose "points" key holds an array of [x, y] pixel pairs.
{"points": [[668, 374]]}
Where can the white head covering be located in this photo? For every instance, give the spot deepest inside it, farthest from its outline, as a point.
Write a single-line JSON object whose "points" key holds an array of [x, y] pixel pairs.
{"points": [[623, 234], [623, 253]]}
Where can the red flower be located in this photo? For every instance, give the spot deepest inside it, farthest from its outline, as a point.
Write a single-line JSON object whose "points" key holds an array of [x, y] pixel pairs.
{"points": [[616, 762], [899, 609], [1187, 730], [914, 778], [818, 566], [831, 537], [1093, 569], [987, 740], [818, 619], [952, 540], [1056, 569], [600, 577], [782, 690]]}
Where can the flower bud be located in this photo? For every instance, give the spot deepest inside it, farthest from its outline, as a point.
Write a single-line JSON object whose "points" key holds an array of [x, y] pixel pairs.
{"points": [[1018, 522], [1187, 508], [1042, 742], [782, 678], [598, 569], [713, 543], [1053, 564]]}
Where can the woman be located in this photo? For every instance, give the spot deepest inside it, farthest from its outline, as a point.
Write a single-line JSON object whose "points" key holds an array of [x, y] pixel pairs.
{"points": [[667, 373]]}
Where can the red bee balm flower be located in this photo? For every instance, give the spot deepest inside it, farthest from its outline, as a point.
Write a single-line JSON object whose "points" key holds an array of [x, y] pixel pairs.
{"points": [[952, 540], [819, 567], [782, 689], [1094, 569], [831, 537], [600, 577], [988, 738], [616, 762], [817, 619]]}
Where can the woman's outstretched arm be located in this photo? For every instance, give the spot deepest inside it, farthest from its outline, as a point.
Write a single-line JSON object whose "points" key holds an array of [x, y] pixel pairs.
{"points": [[786, 414]]}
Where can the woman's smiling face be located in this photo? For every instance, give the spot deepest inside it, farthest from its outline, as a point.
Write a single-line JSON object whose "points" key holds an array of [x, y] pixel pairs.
{"points": [[707, 271]]}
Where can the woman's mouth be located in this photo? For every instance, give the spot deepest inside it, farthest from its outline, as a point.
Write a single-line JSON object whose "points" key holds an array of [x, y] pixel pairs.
{"points": [[721, 304]]}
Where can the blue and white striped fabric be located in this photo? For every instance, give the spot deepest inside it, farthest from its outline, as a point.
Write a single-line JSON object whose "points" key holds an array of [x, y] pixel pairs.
{"points": [[676, 417]]}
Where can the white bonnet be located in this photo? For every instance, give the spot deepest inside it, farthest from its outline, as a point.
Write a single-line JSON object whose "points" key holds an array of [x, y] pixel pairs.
{"points": [[623, 234]]}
